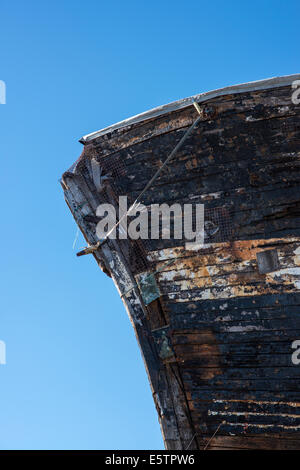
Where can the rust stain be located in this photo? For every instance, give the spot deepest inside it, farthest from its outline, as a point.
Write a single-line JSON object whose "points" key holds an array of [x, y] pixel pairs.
{"points": [[210, 349], [231, 270]]}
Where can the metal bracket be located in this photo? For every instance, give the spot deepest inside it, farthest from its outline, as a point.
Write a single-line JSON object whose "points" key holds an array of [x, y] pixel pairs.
{"points": [[89, 249], [206, 112]]}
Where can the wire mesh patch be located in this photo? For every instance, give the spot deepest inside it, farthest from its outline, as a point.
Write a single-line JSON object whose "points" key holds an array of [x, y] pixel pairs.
{"points": [[217, 225]]}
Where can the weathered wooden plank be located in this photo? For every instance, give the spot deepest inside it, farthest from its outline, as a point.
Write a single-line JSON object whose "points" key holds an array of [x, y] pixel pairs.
{"points": [[225, 251], [271, 407], [198, 319], [244, 373], [278, 442], [241, 337], [236, 304], [248, 418], [192, 353], [252, 107], [196, 395], [210, 389]]}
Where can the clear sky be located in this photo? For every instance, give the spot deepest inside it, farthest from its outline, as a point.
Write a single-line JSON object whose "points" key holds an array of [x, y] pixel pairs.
{"points": [[74, 377]]}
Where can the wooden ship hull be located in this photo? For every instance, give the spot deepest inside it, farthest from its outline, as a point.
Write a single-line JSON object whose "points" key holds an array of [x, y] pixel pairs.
{"points": [[217, 325]]}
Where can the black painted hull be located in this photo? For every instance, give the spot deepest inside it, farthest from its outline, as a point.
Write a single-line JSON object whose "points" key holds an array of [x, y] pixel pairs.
{"points": [[228, 377]]}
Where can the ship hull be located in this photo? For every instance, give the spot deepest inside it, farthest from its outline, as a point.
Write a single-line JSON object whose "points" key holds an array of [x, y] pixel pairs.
{"points": [[219, 324]]}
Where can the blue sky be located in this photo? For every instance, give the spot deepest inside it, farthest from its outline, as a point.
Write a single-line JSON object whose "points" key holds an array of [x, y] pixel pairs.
{"points": [[74, 377]]}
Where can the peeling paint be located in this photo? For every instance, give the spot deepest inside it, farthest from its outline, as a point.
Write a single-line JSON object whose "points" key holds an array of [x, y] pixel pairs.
{"points": [[251, 413], [243, 329]]}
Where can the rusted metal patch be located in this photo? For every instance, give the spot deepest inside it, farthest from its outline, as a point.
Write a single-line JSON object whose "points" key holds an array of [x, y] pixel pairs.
{"points": [[163, 343], [148, 287], [267, 261]]}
